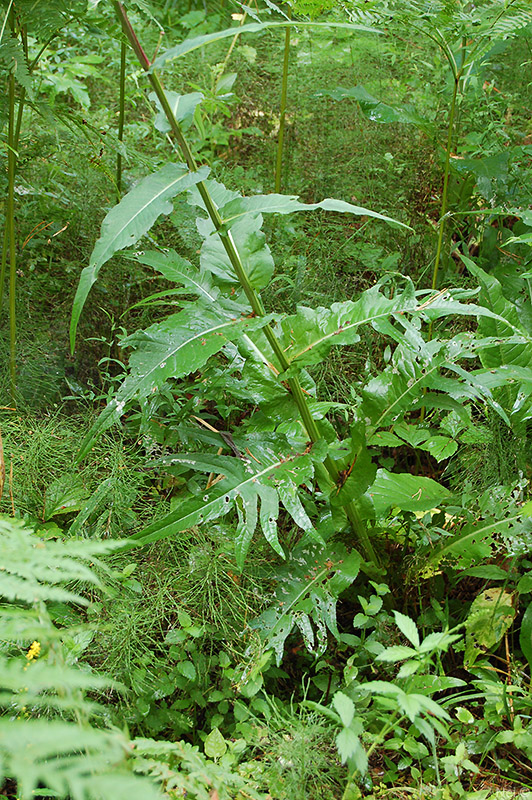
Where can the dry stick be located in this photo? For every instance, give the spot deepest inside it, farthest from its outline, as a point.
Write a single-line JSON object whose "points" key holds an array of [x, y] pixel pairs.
{"points": [[357, 523], [211, 480]]}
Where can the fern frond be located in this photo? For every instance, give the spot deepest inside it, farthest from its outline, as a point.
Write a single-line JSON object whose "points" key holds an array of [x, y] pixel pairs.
{"points": [[66, 759], [13, 62], [32, 568]]}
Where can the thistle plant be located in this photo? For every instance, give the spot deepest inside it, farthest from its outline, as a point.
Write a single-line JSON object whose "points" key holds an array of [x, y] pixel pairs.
{"points": [[287, 453]]}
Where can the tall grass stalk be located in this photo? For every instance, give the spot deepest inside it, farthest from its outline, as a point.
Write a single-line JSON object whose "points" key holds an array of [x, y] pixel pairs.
{"points": [[443, 207], [282, 115], [357, 523], [9, 235], [121, 117]]}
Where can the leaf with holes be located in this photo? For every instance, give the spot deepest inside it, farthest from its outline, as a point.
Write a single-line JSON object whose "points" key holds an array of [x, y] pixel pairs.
{"points": [[269, 472], [309, 335], [308, 589]]}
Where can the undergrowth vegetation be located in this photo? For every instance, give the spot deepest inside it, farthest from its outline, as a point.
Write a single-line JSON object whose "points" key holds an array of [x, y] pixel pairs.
{"points": [[265, 452]]}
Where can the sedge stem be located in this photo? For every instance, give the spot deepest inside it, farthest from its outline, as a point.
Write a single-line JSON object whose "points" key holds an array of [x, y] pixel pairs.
{"points": [[121, 117], [282, 117]]}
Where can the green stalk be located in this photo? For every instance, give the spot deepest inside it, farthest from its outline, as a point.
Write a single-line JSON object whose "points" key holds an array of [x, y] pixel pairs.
{"points": [[9, 235], [443, 208], [121, 117], [379, 739], [284, 92], [255, 302]]}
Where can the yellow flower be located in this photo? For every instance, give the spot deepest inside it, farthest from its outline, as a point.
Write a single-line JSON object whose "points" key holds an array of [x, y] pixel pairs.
{"points": [[34, 651]]}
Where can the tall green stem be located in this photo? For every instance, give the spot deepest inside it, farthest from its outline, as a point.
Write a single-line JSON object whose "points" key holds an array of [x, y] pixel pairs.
{"points": [[282, 117], [121, 117], [9, 237], [443, 208], [255, 302]]}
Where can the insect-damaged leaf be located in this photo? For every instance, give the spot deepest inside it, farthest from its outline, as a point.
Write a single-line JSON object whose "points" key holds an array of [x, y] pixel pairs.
{"points": [[307, 591], [309, 334], [266, 473]]}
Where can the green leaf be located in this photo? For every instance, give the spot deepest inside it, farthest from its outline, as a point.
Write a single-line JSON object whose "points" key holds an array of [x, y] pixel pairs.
{"points": [[179, 345], [489, 572], [269, 469], [309, 334], [288, 204], [251, 245], [253, 27], [376, 110], [184, 618], [349, 746], [462, 544], [509, 321], [308, 586], [65, 495], [183, 107], [396, 653], [129, 220], [215, 745], [440, 447], [187, 669], [345, 707], [406, 492], [490, 617], [407, 627]]}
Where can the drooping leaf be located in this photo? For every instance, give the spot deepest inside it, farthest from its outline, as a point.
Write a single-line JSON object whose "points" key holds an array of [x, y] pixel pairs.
{"points": [[474, 541], [253, 27], [269, 472], [525, 635], [309, 334], [345, 708], [375, 110], [509, 322], [129, 220], [251, 245], [183, 107], [490, 616], [288, 204]]}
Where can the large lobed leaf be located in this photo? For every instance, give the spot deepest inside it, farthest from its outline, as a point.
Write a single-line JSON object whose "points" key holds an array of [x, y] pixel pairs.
{"points": [[508, 321], [308, 589], [287, 204], [270, 471], [309, 334], [179, 345]]}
